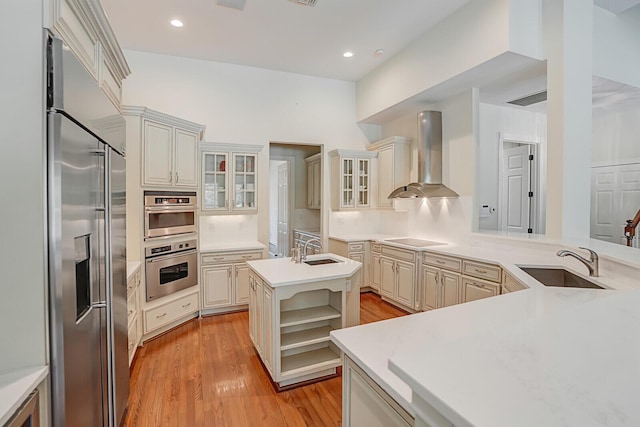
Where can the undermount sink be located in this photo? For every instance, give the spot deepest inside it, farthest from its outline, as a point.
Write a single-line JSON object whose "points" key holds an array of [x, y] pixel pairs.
{"points": [[558, 277], [321, 261]]}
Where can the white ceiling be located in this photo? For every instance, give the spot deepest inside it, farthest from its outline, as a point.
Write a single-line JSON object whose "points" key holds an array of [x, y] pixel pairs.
{"points": [[279, 34], [617, 6]]}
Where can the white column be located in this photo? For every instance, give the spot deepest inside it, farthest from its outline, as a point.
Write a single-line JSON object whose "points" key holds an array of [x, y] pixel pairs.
{"points": [[568, 32]]}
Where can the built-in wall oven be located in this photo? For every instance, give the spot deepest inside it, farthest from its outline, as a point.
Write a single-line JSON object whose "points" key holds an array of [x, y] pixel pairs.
{"points": [[171, 267], [169, 213]]}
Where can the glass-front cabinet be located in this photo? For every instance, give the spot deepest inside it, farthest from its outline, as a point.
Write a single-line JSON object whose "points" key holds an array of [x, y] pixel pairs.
{"points": [[351, 179], [230, 178]]}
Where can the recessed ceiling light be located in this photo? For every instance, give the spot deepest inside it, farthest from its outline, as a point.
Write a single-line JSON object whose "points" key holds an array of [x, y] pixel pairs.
{"points": [[379, 52], [347, 54], [176, 23]]}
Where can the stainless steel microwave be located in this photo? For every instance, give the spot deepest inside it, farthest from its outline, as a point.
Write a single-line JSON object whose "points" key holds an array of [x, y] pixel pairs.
{"points": [[169, 213]]}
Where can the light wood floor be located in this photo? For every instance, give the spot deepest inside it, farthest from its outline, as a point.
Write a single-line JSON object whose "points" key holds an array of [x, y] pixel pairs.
{"points": [[206, 373]]}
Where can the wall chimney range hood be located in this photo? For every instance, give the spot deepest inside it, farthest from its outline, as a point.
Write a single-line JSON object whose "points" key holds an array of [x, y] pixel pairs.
{"points": [[429, 162]]}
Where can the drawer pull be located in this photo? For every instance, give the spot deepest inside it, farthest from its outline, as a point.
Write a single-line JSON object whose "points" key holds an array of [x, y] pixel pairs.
{"points": [[480, 271], [161, 316], [218, 258], [130, 313], [130, 345], [186, 305], [480, 285], [440, 261], [246, 256]]}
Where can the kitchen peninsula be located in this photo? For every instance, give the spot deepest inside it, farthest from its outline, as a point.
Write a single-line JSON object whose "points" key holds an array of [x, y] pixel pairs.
{"points": [[292, 309]]}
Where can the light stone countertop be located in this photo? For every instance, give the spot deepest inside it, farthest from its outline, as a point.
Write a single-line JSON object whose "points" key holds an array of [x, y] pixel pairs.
{"points": [[15, 386], [283, 272], [132, 267], [231, 246], [407, 339], [374, 237]]}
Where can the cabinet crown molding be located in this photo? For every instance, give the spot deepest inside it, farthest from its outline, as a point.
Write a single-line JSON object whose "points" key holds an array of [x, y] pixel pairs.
{"points": [[377, 145], [235, 148], [147, 113], [352, 153], [313, 157]]}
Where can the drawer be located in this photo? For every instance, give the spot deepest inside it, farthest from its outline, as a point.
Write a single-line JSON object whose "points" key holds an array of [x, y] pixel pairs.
{"points": [[397, 253], [163, 315], [475, 289], [230, 257], [376, 247], [511, 285], [356, 247], [442, 261], [482, 271]]}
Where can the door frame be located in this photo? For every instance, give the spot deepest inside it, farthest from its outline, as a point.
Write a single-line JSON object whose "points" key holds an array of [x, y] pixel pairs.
{"points": [[291, 164], [538, 179]]}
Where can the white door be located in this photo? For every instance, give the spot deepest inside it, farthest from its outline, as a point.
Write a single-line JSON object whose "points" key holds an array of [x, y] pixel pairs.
{"points": [[186, 159], [516, 184], [630, 199], [217, 286], [158, 154], [283, 209], [603, 197]]}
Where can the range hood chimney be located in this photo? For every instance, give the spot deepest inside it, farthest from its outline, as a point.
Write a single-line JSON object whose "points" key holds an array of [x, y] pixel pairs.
{"points": [[429, 161]]}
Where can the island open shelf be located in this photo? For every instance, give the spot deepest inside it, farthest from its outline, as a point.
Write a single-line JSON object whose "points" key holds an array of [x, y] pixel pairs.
{"points": [[290, 323]]}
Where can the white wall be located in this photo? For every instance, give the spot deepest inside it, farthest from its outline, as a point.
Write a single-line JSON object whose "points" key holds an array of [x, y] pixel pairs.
{"points": [[246, 105], [23, 297], [616, 137], [273, 201], [616, 41], [527, 125]]}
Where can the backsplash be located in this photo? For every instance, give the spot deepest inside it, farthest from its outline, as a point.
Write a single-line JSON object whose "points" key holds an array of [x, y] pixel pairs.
{"points": [[443, 220], [368, 222], [228, 228]]}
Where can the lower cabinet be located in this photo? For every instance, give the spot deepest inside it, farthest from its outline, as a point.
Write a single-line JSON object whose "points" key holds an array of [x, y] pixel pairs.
{"points": [[357, 251], [134, 319], [397, 275], [168, 310], [290, 325], [441, 288], [366, 404], [475, 289], [510, 284], [225, 279]]}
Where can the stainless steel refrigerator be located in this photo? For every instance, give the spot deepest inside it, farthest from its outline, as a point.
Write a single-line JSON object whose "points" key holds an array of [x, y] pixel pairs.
{"points": [[87, 247]]}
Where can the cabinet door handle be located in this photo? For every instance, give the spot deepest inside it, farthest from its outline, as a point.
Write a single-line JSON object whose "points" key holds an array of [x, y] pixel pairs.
{"points": [[170, 177], [480, 271], [229, 273], [437, 277], [162, 315], [442, 279], [186, 305], [236, 274], [130, 312], [177, 177]]}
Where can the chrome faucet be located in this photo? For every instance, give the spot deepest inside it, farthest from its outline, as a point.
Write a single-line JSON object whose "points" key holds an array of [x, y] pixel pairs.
{"points": [[591, 263], [304, 251]]}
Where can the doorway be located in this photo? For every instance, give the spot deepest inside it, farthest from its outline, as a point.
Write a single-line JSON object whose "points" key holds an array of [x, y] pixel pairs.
{"points": [[288, 207], [519, 189]]}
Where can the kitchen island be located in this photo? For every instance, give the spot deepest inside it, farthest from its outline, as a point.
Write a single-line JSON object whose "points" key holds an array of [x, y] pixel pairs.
{"points": [[292, 309]]}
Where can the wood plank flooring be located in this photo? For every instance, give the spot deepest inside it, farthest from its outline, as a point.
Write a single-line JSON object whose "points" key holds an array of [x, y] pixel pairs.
{"points": [[207, 373]]}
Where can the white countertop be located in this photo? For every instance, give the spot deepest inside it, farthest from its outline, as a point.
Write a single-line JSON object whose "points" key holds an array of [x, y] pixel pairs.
{"points": [[132, 267], [231, 246], [552, 357], [283, 272], [16, 386], [409, 339]]}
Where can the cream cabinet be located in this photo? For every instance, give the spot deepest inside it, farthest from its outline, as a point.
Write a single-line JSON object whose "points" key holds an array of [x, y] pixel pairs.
{"points": [[351, 179], [394, 271], [366, 404], [229, 178], [170, 153], [225, 280], [510, 284], [475, 289], [441, 281], [134, 317], [290, 327], [85, 29], [314, 181], [358, 251], [394, 164], [169, 312]]}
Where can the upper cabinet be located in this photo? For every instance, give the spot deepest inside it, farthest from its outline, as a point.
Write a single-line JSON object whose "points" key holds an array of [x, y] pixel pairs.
{"points": [[168, 150], [314, 181], [230, 178], [394, 164], [84, 28], [351, 183]]}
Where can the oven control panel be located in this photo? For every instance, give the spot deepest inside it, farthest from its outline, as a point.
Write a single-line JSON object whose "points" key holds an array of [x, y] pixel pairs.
{"points": [[168, 248]]}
